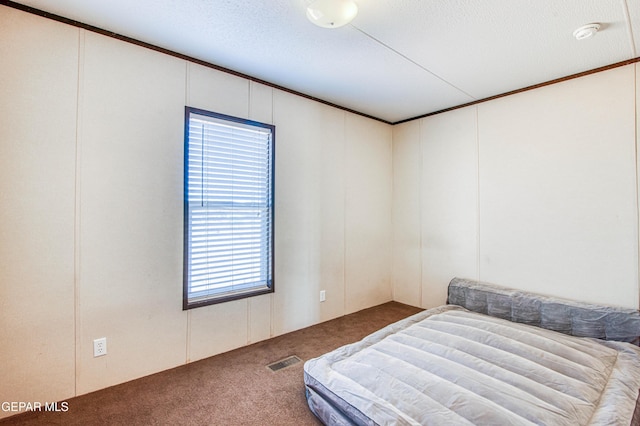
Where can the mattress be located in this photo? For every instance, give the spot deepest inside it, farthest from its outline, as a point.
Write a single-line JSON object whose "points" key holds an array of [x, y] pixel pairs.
{"points": [[449, 365]]}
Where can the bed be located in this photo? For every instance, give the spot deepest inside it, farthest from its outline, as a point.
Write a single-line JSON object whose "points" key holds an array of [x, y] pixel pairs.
{"points": [[491, 356]]}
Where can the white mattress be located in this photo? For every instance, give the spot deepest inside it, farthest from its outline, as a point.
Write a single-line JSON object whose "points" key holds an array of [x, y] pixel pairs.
{"points": [[451, 366]]}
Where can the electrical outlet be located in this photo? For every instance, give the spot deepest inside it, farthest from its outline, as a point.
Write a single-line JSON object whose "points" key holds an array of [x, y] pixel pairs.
{"points": [[100, 347], [323, 295]]}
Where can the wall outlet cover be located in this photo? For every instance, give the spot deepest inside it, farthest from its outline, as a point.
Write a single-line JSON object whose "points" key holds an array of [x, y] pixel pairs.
{"points": [[100, 347]]}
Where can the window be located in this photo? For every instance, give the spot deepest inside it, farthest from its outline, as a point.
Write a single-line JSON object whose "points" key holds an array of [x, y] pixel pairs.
{"points": [[228, 208]]}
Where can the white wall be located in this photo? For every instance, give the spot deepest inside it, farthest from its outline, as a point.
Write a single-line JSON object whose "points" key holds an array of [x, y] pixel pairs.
{"points": [[91, 157], [536, 191], [368, 213], [37, 206]]}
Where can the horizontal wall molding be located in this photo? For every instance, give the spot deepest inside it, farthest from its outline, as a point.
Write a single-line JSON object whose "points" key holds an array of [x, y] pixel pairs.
{"points": [[150, 46], [126, 39], [526, 89]]}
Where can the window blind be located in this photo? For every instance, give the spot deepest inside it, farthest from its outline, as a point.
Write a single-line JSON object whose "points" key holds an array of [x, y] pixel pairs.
{"points": [[229, 209]]}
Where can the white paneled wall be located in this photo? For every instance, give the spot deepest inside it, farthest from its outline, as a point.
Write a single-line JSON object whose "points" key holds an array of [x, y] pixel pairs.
{"points": [[536, 191], [449, 201], [407, 228], [223, 93], [558, 210], [130, 214], [37, 207], [369, 170], [309, 212], [91, 223]]}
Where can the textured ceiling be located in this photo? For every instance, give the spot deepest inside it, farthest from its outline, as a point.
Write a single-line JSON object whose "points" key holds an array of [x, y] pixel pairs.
{"points": [[397, 60]]}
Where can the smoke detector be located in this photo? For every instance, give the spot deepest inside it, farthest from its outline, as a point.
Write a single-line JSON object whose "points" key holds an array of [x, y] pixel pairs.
{"points": [[586, 31]]}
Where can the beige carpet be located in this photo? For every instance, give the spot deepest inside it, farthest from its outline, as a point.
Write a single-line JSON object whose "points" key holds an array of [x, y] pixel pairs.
{"points": [[234, 388]]}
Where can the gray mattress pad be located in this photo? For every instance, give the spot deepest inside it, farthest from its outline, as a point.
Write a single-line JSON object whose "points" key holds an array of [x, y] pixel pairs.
{"points": [[449, 365]]}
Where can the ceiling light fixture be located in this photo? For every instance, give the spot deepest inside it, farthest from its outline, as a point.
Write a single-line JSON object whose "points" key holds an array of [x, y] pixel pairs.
{"points": [[332, 13], [586, 31]]}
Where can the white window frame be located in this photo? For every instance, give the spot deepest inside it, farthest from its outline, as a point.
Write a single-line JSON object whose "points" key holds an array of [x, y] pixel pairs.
{"points": [[228, 208]]}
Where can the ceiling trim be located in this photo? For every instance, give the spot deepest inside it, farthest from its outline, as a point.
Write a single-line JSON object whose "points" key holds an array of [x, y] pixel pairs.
{"points": [[150, 46], [525, 89], [126, 39]]}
